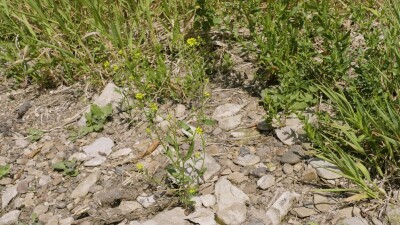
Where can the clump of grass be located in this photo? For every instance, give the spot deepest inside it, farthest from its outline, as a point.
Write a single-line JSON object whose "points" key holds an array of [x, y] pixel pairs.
{"points": [[141, 45], [362, 138], [340, 53]]}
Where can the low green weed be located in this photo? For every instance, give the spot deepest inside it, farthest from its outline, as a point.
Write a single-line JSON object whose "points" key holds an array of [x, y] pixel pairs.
{"points": [[186, 166], [67, 167], [95, 120], [34, 134], [4, 170]]}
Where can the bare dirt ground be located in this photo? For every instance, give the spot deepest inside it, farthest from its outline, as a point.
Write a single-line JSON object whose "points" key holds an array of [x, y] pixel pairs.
{"points": [[252, 159]]}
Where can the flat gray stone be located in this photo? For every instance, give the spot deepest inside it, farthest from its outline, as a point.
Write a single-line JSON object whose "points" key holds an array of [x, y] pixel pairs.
{"points": [[100, 147], [174, 216], [264, 152], [226, 110], [127, 207], [230, 123], [211, 165], [293, 155], [10, 218], [309, 175], [79, 156], [120, 153], [322, 203], [66, 221], [134, 223], [40, 209], [237, 177], [110, 95], [303, 212], [196, 202], [96, 161], [208, 200], [342, 214], [6, 181], [180, 111], [21, 143], [231, 202], [281, 207], [325, 169], [353, 221], [83, 188], [266, 181], [287, 168], [247, 160], [238, 134], [52, 220], [202, 216], [8, 195], [323, 207], [292, 133], [23, 186], [146, 201], [44, 179], [3, 161]]}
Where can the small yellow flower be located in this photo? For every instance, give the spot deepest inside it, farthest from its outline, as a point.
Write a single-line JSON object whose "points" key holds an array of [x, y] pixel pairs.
{"points": [[120, 52], [199, 130], [137, 55], [169, 117], [115, 68], [148, 130], [106, 64], [197, 155], [192, 191], [153, 107], [139, 166], [139, 96], [192, 42], [207, 94]]}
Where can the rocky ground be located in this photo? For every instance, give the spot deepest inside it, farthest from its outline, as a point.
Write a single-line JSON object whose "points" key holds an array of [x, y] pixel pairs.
{"points": [[255, 175]]}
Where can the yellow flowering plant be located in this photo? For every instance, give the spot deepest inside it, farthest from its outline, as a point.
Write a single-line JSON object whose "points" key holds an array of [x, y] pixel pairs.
{"points": [[139, 96], [192, 42]]}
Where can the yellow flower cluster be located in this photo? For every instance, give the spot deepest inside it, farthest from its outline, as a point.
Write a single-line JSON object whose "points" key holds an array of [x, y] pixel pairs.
{"points": [[192, 191], [192, 42], [140, 166], [115, 68], [106, 64], [139, 96], [153, 107], [199, 130]]}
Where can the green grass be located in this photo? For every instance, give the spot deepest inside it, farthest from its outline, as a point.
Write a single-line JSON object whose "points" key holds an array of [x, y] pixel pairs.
{"points": [[336, 52], [137, 44]]}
